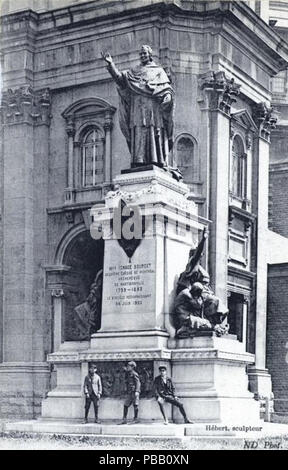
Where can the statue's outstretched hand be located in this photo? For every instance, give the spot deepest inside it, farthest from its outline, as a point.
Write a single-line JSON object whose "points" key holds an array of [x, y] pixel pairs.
{"points": [[107, 57]]}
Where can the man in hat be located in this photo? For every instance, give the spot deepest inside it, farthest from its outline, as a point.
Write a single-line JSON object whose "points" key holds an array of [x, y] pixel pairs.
{"points": [[92, 391], [165, 392], [133, 386]]}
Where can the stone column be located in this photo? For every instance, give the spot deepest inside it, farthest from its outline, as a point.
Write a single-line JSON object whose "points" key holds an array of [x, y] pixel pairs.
{"points": [[25, 120], [69, 191], [1, 225], [108, 125], [58, 317], [22, 110], [220, 94], [244, 321], [41, 117], [260, 379], [57, 284]]}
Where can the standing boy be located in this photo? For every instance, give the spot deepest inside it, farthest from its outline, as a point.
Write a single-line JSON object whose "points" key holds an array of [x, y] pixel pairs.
{"points": [[92, 391], [133, 386]]}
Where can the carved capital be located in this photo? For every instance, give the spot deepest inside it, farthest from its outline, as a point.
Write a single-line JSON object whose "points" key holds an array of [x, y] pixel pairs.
{"points": [[26, 105], [223, 91], [248, 142], [69, 217], [247, 225], [108, 123], [231, 217], [57, 293], [265, 118], [246, 299], [70, 127]]}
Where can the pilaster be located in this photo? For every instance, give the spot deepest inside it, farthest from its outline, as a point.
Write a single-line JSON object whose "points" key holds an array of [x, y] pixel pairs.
{"points": [[220, 93], [260, 380], [25, 117]]}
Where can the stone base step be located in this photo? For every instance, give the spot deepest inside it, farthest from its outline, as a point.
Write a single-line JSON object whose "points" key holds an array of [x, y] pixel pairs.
{"points": [[135, 430]]}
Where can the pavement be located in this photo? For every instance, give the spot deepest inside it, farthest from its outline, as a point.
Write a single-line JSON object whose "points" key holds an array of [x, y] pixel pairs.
{"points": [[40, 434]]}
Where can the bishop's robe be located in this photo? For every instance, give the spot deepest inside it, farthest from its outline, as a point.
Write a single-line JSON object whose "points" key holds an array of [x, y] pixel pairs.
{"points": [[146, 124]]}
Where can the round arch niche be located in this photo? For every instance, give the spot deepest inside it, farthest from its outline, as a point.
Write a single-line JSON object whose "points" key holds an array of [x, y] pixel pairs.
{"points": [[85, 257]]}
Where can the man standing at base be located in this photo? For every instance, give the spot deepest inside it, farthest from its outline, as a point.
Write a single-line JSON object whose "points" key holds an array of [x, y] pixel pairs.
{"points": [[165, 392], [133, 386], [92, 391]]}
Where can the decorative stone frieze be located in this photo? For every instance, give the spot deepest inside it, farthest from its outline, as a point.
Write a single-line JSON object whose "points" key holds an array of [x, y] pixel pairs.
{"points": [[87, 356]]}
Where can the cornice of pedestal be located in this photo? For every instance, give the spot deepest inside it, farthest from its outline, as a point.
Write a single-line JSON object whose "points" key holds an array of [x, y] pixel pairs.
{"points": [[158, 197], [25, 105], [212, 354], [152, 194], [151, 187], [151, 354], [125, 355]]}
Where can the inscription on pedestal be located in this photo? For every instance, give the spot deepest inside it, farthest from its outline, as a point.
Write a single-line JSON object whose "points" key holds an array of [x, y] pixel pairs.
{"points": [[130, 286]]}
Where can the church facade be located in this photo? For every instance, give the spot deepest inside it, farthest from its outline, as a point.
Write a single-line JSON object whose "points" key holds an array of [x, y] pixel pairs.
{"points": [[61, 148]]}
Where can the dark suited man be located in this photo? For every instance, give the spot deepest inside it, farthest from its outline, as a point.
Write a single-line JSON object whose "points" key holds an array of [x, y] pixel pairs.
{"points": [[165, 392], [93, 392]]}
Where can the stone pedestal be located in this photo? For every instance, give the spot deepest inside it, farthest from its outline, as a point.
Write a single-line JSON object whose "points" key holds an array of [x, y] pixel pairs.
{"points": [[138, 293], [210, 374]]}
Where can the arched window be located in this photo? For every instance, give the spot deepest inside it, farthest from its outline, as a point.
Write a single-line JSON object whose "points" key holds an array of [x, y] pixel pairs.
{"points": [[185, 157], [89, 124], [92, 157], [238, 169]]}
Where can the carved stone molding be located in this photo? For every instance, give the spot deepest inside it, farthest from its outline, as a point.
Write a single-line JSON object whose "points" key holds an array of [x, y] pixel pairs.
{"points": [[152, 189], [265, 118], [70, 127], [194, 354], [223, 91], [248, 142], [108, 120], [126, 355], [210, 354], [26, 105], [242, 214], [69, 217], [58, 293], [87, 356], [64, 358]]}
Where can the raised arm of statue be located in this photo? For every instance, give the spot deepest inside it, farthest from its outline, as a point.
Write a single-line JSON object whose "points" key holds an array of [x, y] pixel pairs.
{"points": [[112, 69], [196, 254]]}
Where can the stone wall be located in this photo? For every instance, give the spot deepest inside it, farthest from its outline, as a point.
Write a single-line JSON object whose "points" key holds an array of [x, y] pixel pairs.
{"points": [[278, 189], [23, 401], [277, 333]]}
